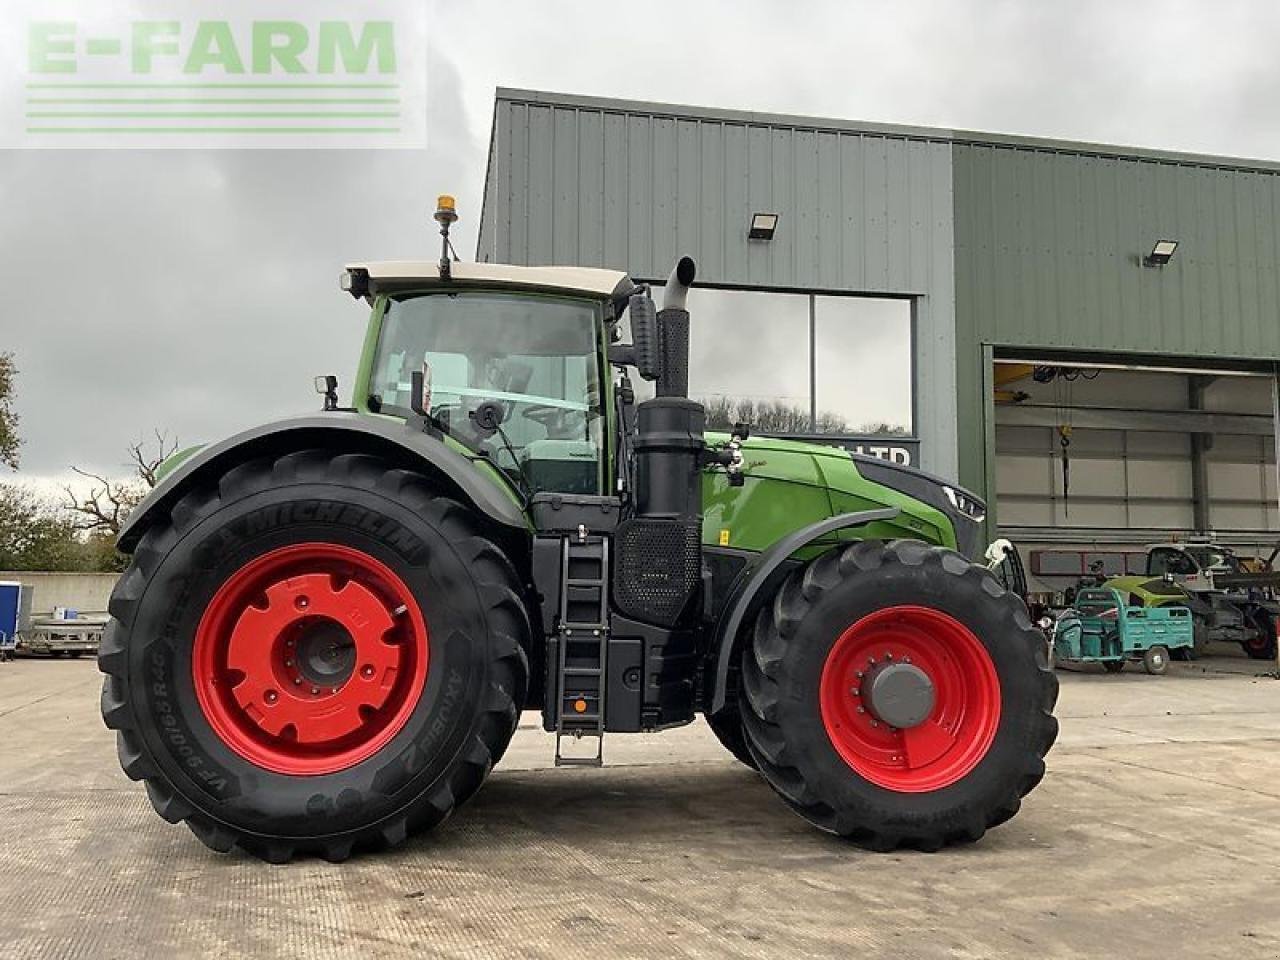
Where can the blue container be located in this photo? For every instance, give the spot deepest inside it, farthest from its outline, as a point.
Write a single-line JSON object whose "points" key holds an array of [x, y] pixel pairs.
{"points": [[10, 613]]}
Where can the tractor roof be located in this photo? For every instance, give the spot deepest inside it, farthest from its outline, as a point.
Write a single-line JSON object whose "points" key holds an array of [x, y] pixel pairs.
{"points": [[391, 275]]}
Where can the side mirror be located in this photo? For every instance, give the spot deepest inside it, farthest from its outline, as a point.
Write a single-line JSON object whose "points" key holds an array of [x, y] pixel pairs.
{"points": [[488, 416], [418, 393], [327, 386], [644, 335], [642, 352]]}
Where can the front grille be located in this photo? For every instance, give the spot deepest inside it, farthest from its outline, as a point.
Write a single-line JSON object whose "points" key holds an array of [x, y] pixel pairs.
{"points": [[657, 567]]}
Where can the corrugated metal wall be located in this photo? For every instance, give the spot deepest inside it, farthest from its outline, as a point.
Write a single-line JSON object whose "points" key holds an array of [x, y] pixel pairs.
{"points": [[574, 180], [1046, 249], [1049, 247]]}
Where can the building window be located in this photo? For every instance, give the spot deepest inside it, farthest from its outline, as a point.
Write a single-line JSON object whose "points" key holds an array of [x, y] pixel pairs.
{"points": [[749, 359], [791, 363], [862, 366]]}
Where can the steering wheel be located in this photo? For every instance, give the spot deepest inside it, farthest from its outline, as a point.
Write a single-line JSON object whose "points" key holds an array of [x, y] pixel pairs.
{"points": [[543, 413], [555, 420]]}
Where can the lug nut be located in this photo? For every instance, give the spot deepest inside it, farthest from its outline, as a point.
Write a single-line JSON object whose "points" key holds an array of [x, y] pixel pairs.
{"points": [[855, 692], [302, 603], [271, 696], [288, 663], [297, 681], [862, 709], [366, 671]]}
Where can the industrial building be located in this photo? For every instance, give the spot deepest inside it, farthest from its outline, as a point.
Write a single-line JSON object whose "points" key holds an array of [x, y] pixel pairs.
{"points": [[1089, 333]]}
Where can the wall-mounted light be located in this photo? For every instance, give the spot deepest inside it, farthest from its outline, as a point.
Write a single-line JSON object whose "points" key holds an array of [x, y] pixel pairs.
{"points": [[1161, 253], [763, 226]]}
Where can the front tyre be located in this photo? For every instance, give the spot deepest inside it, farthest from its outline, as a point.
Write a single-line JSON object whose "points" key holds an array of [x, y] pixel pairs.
{"points": [[317, 655], [898, 695]]}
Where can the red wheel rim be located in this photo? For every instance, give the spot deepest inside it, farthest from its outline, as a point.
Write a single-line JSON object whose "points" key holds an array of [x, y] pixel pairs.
{"points": [[959, 730], [310, 658]]}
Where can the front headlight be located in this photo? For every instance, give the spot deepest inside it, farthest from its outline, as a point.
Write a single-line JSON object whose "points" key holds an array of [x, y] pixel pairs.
{"points": [[970, 507]]}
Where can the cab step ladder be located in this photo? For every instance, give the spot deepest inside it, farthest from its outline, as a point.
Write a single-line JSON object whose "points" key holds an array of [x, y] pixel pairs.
{"points": [[583, 645]]}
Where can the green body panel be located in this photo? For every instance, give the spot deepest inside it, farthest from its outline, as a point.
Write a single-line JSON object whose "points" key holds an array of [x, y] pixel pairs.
{"points": [[175, 459], [789, 485], [1152, 591]]}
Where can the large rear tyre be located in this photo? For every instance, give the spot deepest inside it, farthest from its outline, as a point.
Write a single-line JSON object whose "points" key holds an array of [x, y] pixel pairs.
{"points": [[315, 656], [898, 696]]}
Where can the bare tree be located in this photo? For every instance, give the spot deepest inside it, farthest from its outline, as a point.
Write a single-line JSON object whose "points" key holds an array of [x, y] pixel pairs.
{"points": [[146, 463], [108, 503]]}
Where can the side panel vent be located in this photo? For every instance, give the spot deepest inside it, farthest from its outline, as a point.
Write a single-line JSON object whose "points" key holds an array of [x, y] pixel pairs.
{"points": [[657, 568]]}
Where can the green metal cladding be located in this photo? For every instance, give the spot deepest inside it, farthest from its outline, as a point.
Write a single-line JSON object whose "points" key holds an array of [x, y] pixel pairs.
{"points": [[1049, 247]]}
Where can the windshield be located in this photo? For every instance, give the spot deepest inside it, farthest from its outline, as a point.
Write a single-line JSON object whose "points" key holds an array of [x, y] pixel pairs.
{"points": [[1209, 558], [536, 356]]}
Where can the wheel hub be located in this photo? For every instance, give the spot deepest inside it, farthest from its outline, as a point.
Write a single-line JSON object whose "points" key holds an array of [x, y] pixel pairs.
{"points": [[910, 698], [310, 658], [899, 694], [326, 652]]}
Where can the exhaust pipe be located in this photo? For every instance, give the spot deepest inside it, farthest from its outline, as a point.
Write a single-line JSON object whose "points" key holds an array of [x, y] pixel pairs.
{"points": [[673, 331], [677, 288]]}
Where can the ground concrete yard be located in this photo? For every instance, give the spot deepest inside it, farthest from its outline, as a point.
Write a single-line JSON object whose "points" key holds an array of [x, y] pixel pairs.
{"points": [[1155, 834]]}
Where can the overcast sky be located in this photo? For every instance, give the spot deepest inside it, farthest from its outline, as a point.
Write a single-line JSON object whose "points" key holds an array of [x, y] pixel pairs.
{"points": [[196, 291]]}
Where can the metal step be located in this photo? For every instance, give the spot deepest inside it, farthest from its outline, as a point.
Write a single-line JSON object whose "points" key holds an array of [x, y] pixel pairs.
{"points": [[580, 675]]}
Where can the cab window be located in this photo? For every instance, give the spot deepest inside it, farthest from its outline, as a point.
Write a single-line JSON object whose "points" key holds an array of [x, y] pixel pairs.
{"points": [[538, 357], [1167, 560]]}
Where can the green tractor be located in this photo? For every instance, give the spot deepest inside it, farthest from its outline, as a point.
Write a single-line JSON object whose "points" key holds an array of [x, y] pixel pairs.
{"points": [[331, 624]]}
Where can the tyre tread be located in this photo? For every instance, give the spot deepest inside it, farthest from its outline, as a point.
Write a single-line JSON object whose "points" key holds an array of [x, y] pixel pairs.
{"points": [[497, 585], [761, 692]]}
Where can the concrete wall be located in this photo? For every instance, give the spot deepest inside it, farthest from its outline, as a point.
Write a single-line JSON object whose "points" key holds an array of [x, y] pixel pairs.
{"points": [[85, 592]]}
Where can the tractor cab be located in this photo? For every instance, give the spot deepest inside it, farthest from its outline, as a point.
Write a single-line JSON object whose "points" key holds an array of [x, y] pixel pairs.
{"points": [[531, 358], [1196, 566]]}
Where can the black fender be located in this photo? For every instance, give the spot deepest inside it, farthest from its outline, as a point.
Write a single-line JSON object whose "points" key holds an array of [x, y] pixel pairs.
{"points": [[343, 433], [745, 595]]}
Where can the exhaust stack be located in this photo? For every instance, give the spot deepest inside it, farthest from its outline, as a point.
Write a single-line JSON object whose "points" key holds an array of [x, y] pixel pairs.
{"points": [[673, 331]]}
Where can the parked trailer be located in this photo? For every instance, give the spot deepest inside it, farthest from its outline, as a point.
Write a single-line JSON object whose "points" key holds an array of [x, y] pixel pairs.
{"points": [[58, 637]]}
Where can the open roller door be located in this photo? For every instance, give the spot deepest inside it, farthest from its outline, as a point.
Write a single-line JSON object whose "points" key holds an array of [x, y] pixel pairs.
{"points": [[1104, 457]]}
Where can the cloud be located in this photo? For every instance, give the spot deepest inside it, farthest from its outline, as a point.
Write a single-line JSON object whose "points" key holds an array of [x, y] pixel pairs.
{"points": [[196, 291]]}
